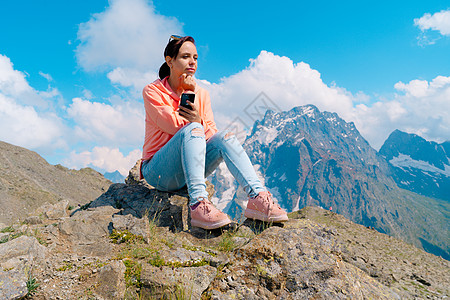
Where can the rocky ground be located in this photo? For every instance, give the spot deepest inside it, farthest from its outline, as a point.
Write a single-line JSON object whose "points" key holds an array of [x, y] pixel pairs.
{"points": [[135, 243]]}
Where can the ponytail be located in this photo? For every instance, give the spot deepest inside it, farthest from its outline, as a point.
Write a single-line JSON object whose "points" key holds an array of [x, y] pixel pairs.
{"points": [[164, 71]]}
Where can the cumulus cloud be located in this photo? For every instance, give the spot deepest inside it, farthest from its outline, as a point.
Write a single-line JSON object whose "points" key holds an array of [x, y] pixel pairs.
{"points": [[108, 124], [25, 116], [128, 34], [104, 158], [13, 84], [439, 22], [24, 126], [132, 78], [284, 83]]}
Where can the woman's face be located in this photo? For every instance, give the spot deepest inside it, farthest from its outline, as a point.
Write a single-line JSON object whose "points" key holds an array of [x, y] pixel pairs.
{"points": [[185, 62]]}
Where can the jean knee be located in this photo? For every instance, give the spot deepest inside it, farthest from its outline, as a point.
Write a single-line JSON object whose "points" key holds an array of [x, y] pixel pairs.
{"points": [[226, 136], [194, 129]]}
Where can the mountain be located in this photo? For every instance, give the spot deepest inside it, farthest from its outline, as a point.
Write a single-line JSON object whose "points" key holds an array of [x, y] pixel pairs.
{"points": [[115, 176], [27, 181], [419, 165], [312, 158]]}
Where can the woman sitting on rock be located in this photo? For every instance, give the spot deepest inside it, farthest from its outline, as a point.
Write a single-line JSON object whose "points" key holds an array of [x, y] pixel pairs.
{"points": [[183, 146]]}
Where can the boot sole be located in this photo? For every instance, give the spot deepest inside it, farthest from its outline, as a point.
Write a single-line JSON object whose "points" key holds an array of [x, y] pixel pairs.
{"points": [[209, 225], [254, 214]]}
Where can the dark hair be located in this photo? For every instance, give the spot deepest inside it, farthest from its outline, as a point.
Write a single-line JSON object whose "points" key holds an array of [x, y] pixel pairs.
{"points": [[172, 49]]}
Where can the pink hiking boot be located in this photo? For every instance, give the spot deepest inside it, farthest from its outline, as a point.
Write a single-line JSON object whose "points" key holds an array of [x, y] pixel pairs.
{"points": [[264, 209], [205, 215]]}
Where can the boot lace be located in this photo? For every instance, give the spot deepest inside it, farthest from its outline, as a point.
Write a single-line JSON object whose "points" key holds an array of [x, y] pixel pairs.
{"points": [[267, 199]]}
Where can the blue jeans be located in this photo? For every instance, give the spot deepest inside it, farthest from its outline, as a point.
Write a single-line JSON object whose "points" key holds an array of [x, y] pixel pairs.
{"points": [[187, 159]]}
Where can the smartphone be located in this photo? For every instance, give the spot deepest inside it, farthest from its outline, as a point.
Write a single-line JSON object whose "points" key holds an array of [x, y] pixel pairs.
{"points": [[185, 97]]}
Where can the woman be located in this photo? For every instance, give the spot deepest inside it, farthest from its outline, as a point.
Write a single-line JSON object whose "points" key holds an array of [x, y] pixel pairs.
{"points": [[182, 146]]}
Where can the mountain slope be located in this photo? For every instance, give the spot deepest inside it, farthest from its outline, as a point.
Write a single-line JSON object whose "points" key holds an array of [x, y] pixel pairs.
{"points": [[419, 165], [308, 157], [27, 181]]}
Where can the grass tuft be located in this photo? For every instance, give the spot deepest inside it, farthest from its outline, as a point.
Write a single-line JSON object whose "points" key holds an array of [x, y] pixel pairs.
{"points": [[32, 285]]}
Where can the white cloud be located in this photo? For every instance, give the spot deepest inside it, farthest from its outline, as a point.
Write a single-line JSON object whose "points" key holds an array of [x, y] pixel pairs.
{"points": [[106, 124], [104, 158], [46, 76], [285, 83], [24, 126], [13, 84], [132, 78], [416, 88], [439, 21], [26, 118], [128, 34]]}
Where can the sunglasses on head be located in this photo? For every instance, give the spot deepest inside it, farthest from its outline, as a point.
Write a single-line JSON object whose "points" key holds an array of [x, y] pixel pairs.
{"points": [[174, 37]]}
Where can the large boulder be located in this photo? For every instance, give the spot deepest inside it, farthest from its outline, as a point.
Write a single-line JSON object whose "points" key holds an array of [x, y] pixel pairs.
{"points": [[87, 231], [111, 281]]}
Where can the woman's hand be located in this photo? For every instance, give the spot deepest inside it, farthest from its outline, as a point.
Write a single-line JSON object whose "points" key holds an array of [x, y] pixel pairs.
{"points": [[192, 115], [187, 82]]}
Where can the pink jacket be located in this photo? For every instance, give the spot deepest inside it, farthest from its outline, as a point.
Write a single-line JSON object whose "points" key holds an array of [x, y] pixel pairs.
{"points": [[162, 120]]}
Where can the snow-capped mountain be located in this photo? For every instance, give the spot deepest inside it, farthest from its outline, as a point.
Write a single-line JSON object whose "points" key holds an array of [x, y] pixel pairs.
{"points": [[419, 165], [307, 157]]}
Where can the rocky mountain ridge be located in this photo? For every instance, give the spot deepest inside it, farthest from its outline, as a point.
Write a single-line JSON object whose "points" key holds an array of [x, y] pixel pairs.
{"points": [[419, 165], [27, 181], [312, 158], [133, 242]]}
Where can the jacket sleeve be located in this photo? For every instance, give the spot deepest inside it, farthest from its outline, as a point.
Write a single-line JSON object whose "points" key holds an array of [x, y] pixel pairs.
{"points": [[161, 113], [208, 117]]}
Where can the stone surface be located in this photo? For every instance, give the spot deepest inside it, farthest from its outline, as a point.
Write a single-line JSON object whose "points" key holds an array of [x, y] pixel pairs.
{"points": [[33, 220], [190, 282], [87, 231], [165, 209], [137, 226], [408, 271], [24, 247], [13, 285], [185, 257], [58, 210], [111, 282]]}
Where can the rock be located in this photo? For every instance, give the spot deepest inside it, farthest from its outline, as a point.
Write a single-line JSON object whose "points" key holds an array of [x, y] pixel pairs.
{"points": [[134, 176], [162, 208], [87, 230], [166, 209], [13, 285], [33, 220], [184, 257], [136, 226], [190, 282], [25, 248], [111, 281], [57, 210]]}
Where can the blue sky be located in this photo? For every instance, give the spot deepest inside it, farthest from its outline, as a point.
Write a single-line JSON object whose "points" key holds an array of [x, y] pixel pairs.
{"points": [[71, 72]]}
